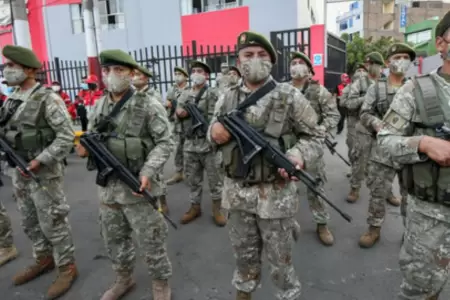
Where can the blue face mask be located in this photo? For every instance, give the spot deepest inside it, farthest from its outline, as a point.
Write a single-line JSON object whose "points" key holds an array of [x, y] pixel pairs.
{"points": [[7, 90], [84, 86]]}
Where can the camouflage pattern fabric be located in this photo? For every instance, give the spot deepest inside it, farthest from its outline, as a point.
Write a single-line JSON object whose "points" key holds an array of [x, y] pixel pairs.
{"points": [[179, 153], [44, 214], [425, 253], [362, 146], [6, 237]]}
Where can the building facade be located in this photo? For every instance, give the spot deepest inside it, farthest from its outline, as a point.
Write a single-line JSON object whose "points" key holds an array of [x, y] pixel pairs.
{"points": [[391, 17], [351, 22]]}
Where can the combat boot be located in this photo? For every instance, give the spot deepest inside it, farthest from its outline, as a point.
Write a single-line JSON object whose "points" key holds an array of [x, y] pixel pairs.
{"points": [[41, 266], [163, 204], [325, 235], [177, 177], [219, 218], [123, 284], [435, 297], [369, 238], [66, 277], [353, 196], [8, 254], [193, 213], [243, 296], [394, 201], [161, 290]]}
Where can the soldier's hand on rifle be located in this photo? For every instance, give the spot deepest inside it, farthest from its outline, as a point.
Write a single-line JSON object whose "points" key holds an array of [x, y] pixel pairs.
{"points": [[33, 166], [298, 165], [145, 185], [436, 149], [81, 151], [181, 113], [219, 133]]}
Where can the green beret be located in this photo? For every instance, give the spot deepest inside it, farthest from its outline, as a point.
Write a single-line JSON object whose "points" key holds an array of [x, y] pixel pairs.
{"points": [[200, 64], [305, 58], [443, 25], [374, 57], [397, 48], [145, 71], [236, 69], [22, 56], [181, 70], [250, 38], [117, 57]]}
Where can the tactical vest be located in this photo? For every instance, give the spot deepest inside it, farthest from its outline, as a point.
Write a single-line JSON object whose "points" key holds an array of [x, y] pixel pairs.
{"points": [[203, 105], [364, 83], [383, 97], [272, 126], [128, 140], [29, 133], [312, 93], [427, 180]]}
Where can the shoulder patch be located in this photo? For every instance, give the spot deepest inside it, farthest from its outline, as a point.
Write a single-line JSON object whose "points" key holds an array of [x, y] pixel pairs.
{"points": [[394, 119]]}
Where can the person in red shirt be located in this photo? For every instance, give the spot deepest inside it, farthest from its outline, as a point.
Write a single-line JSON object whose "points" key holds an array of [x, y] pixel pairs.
{"points": [[345, 80], [86, 99]]}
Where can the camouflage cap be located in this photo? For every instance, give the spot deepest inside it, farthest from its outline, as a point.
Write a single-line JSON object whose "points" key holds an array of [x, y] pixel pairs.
{"points": [[234, 68], [22, 56], [375, 58], [250, 38], [305, 58], [145, 71], [200, 64], [443, 25], [397, 48], [117, 57], [181, 70]]}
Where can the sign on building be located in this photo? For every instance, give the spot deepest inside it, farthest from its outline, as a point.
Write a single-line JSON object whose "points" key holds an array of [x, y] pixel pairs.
{"points": [[403, 17]]}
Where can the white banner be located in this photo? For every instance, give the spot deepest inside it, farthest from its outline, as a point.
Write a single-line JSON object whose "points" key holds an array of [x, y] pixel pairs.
{"points": [[5, 13]]}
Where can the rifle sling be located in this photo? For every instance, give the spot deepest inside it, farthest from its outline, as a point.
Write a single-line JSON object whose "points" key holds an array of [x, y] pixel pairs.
{"points": [[258, 94], [200, 94], [117, 107]]}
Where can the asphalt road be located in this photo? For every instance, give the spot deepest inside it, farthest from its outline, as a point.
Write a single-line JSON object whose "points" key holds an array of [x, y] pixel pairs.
{"points": [[201, 254]]}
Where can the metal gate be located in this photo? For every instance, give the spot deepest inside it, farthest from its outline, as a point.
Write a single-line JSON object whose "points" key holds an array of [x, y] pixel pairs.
{"points": [[337, 61], [285, 42]]}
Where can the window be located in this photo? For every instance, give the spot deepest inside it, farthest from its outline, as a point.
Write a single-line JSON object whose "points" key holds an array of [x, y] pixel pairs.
{"points": [[350, 23], [358, 17], [111, 14], [76, 15], [388, 8], [343, 26], [419, 37], [189, 7], [416, 4]]}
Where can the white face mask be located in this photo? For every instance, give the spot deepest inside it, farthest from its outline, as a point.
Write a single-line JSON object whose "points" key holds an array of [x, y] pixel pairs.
{"points": [[14, 76], [399, 66], [117, 83], [56, 88], [256, 69], [198, 79], [299, 71], [179, 79]]}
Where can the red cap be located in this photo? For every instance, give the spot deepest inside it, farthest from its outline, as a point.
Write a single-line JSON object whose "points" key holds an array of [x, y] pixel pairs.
{"points": [[91, 79]]}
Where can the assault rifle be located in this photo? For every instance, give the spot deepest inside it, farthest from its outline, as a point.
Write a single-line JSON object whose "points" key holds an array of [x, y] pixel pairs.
{"points": [[251, 142], [198, 120], [107, 165], [332, 147]]}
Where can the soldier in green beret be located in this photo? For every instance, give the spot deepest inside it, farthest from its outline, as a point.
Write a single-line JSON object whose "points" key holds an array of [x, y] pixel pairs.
{"points": [[180, 77], [328, 117], [222, 79], [358, 137], [141, 81], [33, 110], [380, 168], [263, 202], [141, 131], [198, 153], [235, 75], [416, 135]]}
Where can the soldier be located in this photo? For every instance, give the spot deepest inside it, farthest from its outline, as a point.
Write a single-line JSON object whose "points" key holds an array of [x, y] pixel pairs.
{"points": [[181, 76], [123, 212], [380, 168], [263, 205], [328, 115], [33, 110], [361, 142], [412, 135], [234, 76], [140, 82], [222, 80], [8, 251], [198, 153]]}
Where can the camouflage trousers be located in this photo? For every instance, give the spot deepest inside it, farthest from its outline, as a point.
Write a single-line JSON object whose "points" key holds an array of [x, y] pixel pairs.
{"points": [[195, 164], [249, 235], [119, 221], [44, 218], [316, 204], [179, 154], [379, 182], [159, 186], [425, 253], [351, 136], [404, 194], [360, 157], [6, 238]]}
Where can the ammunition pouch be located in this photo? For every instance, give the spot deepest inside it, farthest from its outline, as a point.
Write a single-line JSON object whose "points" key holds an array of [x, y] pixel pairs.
{"points": [[131, 151], [30, 141]]}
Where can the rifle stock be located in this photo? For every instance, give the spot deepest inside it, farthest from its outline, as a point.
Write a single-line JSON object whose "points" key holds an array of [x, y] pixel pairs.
{"points": [[108, 164], [198, 120]]}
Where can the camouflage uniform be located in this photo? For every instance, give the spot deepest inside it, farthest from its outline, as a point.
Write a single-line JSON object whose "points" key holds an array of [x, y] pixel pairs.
{"points": [[44, 211], [7, 249], [121, 213], [425, 253], [200, 157]]}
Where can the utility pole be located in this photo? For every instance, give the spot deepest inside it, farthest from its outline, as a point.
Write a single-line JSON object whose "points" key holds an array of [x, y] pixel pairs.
{"points": [[19, 20], [97, 26], [91, 41]]}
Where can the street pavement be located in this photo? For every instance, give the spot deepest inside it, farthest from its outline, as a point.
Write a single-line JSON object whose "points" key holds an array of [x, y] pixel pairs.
{"points": [[201, 254]]}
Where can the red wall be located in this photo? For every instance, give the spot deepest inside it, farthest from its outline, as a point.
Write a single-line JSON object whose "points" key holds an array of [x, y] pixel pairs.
{"points": [[37, 28], [219, 28], [61, 2], [317, 33]]}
